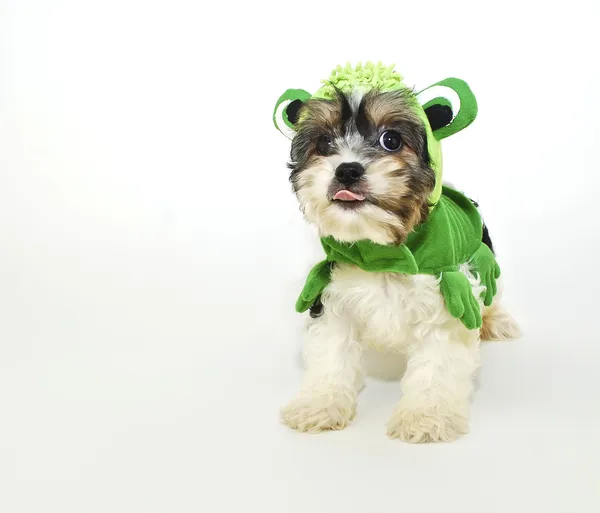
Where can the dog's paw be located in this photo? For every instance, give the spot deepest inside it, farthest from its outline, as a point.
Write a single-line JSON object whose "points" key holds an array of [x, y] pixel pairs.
{"points": [[314, 413], [427, 425]]}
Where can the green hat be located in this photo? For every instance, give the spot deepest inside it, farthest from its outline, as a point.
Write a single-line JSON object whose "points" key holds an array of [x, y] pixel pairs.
{"points": [[445, 107]]}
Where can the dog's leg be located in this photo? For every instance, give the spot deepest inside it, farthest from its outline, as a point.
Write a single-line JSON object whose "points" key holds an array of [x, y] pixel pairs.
{"points": [[332, 380], [437, 385]]}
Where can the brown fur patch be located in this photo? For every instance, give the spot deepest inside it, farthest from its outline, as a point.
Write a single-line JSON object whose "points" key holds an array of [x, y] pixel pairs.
{"points": [[395, 110], [406, 192], [320, 112], [388, 109], [498, 324]]}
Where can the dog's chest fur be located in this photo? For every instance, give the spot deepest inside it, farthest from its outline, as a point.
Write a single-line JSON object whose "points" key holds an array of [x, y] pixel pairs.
{"points": [[387, 310]]}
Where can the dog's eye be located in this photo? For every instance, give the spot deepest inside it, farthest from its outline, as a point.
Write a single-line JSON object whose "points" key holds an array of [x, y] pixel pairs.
{"points": [[324, 143], [390, 140]]}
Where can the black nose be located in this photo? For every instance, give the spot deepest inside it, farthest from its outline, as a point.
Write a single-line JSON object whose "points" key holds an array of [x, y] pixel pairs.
{"points": [[349, 172]]}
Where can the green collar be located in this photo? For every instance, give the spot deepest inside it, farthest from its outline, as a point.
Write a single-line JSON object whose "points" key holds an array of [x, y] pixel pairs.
{"points": [[450, 237]]}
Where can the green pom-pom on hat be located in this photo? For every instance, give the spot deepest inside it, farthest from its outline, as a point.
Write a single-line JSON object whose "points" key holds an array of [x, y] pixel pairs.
{"points": [[369, 76]]}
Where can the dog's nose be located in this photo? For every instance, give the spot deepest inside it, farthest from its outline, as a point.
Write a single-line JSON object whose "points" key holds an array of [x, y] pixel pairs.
{"points": [[349, 172]]}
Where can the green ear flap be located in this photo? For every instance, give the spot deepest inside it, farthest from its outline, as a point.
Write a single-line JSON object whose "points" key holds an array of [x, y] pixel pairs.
{"points": [[287, 109], [450, 106]]}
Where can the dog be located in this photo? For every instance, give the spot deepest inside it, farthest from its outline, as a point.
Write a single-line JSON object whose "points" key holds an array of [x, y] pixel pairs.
{"points": [[360, 170]]}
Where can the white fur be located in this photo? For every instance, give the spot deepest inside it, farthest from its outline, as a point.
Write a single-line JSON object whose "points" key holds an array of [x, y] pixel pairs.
{"points": [[355, 98], [369, 222], [390, 312]]}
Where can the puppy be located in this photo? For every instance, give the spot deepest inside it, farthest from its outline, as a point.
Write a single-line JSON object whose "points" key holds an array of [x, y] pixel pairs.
{"points": [[360, 169]]}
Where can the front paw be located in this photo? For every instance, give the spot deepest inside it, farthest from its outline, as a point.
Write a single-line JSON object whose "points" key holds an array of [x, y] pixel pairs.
{"points": [[430, 424], [316, 412]]}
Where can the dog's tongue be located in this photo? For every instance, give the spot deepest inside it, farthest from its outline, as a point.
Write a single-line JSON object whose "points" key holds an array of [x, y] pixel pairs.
{"points": [[345, 195]]}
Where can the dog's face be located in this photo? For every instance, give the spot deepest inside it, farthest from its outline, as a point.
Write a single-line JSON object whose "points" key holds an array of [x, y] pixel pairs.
{"points": [[360, 166]]}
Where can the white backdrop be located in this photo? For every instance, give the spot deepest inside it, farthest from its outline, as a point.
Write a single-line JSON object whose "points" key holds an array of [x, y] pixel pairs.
{"points": [[151, 252]]}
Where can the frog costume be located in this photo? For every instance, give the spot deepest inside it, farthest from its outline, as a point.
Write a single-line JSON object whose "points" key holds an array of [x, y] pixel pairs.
{"points": [[453, 232]]}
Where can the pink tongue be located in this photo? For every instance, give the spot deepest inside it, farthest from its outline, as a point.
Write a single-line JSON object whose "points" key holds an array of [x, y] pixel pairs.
{"points": [[345, 195]]}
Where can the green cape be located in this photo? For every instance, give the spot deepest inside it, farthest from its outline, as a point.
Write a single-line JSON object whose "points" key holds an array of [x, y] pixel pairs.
{"points": [[451, 236]]}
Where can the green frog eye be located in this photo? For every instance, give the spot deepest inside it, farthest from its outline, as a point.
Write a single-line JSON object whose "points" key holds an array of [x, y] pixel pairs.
{"points": [[450, 106], [287, 110]]}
